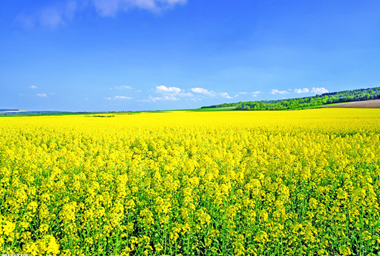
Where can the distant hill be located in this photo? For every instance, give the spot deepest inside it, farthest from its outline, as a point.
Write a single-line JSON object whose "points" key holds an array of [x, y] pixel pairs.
{"points": [[22, 112], [306, 102], [357, 104], [1, 110]]}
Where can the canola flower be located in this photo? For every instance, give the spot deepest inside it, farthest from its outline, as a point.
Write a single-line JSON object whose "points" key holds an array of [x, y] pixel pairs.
{"points": [[192, 183]]}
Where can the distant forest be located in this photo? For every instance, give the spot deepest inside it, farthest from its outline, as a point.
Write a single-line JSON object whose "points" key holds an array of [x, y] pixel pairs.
{"points": [[306, 102]]}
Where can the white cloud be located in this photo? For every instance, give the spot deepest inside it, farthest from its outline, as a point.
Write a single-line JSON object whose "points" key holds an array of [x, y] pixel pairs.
{"points": [[304, 90], [121, 87], [185, 94], [159, 98], [58, 13], [242, 92], [254, 94], [169, 98], [164, 89], [202, 90], [225, 95], [118, 98], [210, 93], [41, 95], [111, 7], [319, 90], [33, 87], [122, 98], [173, 91], [274, 91], [51, 16]]}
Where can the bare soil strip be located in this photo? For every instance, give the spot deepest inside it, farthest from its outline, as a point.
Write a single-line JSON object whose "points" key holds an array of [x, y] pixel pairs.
{"points": [[358, 104]]}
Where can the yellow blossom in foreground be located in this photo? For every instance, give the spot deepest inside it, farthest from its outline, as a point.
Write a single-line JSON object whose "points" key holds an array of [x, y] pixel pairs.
{"points": [[191, 183]]}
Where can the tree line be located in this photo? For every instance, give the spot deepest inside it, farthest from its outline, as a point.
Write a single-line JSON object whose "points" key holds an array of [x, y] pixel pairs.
{"points": [[306, 102]]}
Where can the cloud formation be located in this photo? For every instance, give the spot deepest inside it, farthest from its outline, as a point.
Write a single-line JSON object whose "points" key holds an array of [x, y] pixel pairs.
{"points": [[274, 91], [42, 95], [164, 89], [254, 94], [152, 99], [202, 90], [304, 90], [210, 93], [61, 13], [33, 87], [121, 87], [51, 16], [319, 90], [172, 91], [225, 95], [118, 98], [112, 7], [122, 98]]}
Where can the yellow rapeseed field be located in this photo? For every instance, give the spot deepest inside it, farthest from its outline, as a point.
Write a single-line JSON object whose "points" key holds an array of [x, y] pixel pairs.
{"points": [[191, 183]]}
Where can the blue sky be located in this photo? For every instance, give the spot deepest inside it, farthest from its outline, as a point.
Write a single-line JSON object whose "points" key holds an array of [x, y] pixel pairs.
{"points": [[121, 55]]}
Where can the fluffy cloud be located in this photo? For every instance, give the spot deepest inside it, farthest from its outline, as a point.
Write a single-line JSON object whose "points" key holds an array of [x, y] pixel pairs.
{"points": [[122, 98], [242, 92], [121, 87], [159, 98], [118, 98], [42, 95], [51, 16], [304, 90], [202, 90], [167, 98], [225, 95], [172, 91], [210, 93], [319, 90], [58, 13], [111, 7], [164, 89], [33, 87], [274, 91], [254, 94], [185, 94]]}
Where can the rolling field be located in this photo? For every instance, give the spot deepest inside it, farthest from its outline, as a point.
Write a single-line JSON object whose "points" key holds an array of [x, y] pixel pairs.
{"points": [[358, 104], [192, 183]]}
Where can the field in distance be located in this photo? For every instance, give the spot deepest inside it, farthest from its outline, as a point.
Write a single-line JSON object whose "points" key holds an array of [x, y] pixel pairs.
{"points": [[358, 104]]}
